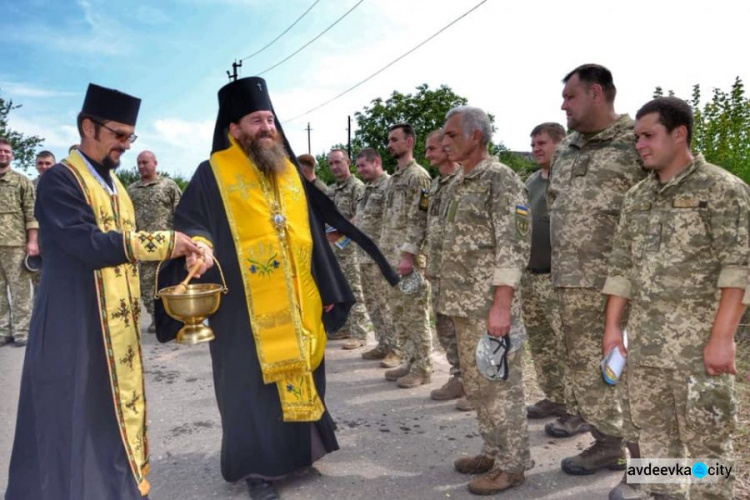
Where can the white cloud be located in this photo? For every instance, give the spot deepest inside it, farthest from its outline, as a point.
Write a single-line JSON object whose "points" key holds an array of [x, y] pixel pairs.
{"points": [[16, 90]]}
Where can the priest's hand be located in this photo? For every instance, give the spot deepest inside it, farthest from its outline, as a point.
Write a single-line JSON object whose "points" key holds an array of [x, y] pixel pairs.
{"points": [[207, 253], [184, 246]]}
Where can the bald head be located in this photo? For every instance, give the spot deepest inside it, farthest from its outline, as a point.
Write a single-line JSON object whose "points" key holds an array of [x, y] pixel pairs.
{"points": [[147, 165]]}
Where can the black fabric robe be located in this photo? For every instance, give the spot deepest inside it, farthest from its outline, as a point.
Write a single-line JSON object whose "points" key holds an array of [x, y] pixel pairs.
{"points": [[256, 441], [67, 444]]}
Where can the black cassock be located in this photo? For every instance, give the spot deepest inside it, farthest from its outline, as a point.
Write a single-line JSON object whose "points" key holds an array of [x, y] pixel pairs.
{"points": [[67, 444], [256, 441]]}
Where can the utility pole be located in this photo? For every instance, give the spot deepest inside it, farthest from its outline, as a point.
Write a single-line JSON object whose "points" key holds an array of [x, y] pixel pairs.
{"points": [[308, 137], [349, 135], [233, 75]]}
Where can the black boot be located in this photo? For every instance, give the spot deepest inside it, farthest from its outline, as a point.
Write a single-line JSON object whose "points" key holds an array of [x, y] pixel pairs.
{"points": [[260, 489]]}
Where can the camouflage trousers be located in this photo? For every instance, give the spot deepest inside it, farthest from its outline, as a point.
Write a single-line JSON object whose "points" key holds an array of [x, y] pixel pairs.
{"points": [[409, 318], [375, 292], [446, 332], [541, 316], [148, 276], [14, 278], [356, 323], [586, 393], [500, 404], [682, 414]]}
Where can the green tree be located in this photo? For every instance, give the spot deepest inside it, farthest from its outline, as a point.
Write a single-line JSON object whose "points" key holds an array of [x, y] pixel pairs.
{"points": [[130, 175], [24, 147], [521, 164], [424, 110], [721, 129]]}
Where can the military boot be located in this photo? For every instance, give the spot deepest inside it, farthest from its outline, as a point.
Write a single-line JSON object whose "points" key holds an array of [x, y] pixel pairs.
{"points": [[495, 481], [352, 344], [607, 452], [623, 490], [566, 426], [413, 379], [400, 371], [340, 335], [453, 389], [464, 404], [545, 408], [391, 360], [379, 352], [473, 465]]}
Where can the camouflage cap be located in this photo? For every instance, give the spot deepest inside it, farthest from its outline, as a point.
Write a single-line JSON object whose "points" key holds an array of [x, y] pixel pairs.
{"points": [[33, 264], [492, 356]]}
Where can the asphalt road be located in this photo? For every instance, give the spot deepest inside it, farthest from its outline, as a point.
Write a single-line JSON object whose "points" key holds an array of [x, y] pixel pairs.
{"points": [[395, 443]]}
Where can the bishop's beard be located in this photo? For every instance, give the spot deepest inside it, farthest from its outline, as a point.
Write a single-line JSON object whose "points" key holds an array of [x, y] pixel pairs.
{"points": [[268, 158]]}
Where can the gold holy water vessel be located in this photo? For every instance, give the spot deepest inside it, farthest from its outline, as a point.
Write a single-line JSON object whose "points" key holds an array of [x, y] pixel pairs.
{"points": [[192, 304]]}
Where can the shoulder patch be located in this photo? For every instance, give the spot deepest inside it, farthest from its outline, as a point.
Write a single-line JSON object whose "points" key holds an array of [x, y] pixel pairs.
{"points": [[424, 200]]}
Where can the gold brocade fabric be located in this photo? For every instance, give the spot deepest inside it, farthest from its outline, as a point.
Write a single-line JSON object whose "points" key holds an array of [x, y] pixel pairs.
{"points": [[268, 218], [118, 294]]}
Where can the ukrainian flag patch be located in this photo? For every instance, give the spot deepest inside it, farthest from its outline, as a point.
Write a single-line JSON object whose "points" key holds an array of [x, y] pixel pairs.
{"points": [[522, 210], [522, 221]]}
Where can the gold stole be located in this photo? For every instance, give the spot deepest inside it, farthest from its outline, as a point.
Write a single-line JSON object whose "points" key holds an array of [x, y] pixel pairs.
{"points": [[268, 218], [118, 294]]}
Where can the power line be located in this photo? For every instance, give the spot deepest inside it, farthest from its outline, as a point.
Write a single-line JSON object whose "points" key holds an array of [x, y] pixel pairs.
{"points": [[313, 40], [284, 33], [389, 64]]}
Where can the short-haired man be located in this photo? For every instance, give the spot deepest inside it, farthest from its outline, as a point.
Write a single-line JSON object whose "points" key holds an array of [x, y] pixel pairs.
{"points": [[593, 168], [404, 231], [345, 193], [680, 260], [436, 209], [18, 238], [307, 165], [155, 198], [369, 219], [540, 312], [485, 251], [44, 161], [81, 426]]}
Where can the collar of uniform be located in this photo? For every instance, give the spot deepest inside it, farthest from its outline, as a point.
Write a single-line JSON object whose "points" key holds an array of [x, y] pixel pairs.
{"points": [[478, 168], [400, 171], [149, 183], [698, 162], [447, 178], [379, 180], [623, 124], [341, 185]]}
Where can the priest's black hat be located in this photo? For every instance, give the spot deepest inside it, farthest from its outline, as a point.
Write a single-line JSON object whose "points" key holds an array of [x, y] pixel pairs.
{"points": [[237, 99], [110, 104]]}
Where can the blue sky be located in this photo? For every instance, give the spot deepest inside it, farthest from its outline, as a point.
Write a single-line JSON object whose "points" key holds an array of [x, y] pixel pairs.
{"points": [[507, 57]]}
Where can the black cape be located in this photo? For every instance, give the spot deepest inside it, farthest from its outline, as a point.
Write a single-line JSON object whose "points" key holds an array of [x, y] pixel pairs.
{"points": [[256, 442], [67, 444]]}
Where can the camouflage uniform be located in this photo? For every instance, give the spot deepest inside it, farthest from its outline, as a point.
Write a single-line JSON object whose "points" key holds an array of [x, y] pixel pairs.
{"points": [[369, 219], [16, 217], [438, 203], [487, 242], [589, 177], [404, 229], [321, 185], [541, 313], [677, 244], [346, 195], [154, 203], [36, 277]]}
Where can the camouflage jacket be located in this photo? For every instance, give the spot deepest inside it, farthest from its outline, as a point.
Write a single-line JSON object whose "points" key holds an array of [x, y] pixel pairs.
{"points": [[369, 217], [405, 215], [16, 209], [439, 197], [487, 239], [154, 203], [677, 244], [588, 180], [320, 185], [346, 195]]}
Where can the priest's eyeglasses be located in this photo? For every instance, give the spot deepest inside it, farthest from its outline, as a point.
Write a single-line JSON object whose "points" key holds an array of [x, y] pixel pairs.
{"points": [[119, 134]]}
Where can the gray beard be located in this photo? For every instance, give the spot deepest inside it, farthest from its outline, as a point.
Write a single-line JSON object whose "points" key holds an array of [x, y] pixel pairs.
{"points": [[268, 160]]}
